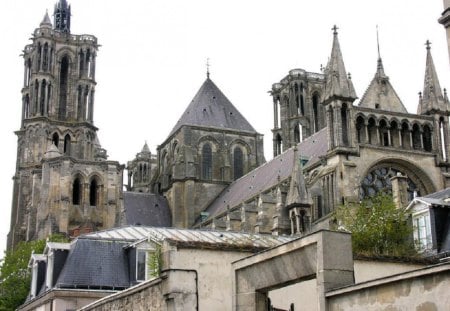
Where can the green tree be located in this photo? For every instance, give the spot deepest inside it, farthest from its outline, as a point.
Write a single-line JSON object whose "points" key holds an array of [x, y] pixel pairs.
{"points": [[378, 227], [15, 279]]}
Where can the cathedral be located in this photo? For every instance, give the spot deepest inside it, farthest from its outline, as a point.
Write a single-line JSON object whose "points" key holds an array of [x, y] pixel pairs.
{"points": [[210, 172]]}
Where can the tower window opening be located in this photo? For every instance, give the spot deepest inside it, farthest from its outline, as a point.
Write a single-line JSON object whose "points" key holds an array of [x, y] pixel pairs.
{"points": [[76, 192], [67, 144], [315, 104], [45, 58], [55, 139], [238, 162], [93, 195], [206, 162], [42, 98], [442, 139], [63, 86], [344, 112]]}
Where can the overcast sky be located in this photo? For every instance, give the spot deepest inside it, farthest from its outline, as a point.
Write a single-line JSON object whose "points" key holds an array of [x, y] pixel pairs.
{"points": [[153, 54]]}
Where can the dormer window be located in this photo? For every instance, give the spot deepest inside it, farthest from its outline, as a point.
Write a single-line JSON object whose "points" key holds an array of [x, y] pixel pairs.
{"points": [[422, 232], [147, 263], [141, 265]]}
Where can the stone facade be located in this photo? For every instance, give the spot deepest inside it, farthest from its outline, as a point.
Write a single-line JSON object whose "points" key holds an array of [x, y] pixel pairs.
{"points": [[63, 181]]}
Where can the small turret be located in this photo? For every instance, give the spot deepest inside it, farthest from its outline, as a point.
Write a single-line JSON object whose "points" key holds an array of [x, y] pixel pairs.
{"points": [[46, 22]]}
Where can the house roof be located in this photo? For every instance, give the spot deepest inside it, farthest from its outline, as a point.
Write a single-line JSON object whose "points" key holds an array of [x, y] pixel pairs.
{"points": [[437, 198], [191, 236], [146, 209], [269, 174], [95, 264], [211, 108]]}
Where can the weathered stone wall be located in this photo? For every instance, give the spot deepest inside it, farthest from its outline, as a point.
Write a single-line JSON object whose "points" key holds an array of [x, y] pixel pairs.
{"points": [[147, 296], [424, 289]]}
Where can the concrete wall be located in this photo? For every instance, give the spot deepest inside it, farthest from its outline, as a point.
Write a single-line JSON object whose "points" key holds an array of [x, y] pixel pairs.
{"points": [[424, 289], [300, 293]]}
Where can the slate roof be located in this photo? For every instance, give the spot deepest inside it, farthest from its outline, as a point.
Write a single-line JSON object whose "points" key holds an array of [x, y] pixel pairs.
{"points": [[136, 233], [211, 108], [146, 209], [437, 198], [266, 176], [95, 264]]}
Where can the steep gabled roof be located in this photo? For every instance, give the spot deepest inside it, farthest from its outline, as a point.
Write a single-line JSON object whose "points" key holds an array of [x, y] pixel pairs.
{"points": [[269, 174], [380, 94], [211, 108]]}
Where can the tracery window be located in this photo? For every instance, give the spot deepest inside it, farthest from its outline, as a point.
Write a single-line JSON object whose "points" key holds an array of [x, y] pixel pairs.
{"points": [[206, 162], [379, 180], [238, 163]]}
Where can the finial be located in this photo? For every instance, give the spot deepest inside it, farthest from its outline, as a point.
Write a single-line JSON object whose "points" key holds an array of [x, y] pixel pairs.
{"points": [[207, 67], [335, 28], [428, 44], [378, 45]]}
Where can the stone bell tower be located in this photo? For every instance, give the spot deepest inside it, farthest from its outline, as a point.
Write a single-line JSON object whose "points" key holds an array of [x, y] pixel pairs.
{"points": [[63, 180]]}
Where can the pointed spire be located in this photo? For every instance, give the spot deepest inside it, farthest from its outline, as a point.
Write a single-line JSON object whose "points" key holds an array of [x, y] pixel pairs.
{"points": [[337, 82], [46, 22], [432, 98], [207, 68], [297, 195]]}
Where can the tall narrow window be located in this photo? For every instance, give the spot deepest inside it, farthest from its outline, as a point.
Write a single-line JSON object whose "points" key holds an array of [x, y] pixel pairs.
{"points": [[36, 97], [417, 138], [238, 163], [141, 265], [344, 125], [442, 138], [80, 104], [93, 195], [67, 144], [297, 137], [76, 192], [28, 72], [55, 139], [427, 140], [206, 162], [297, 99], [302, 101], [49, 96], [81, 63], [315, 102], [279, 145], [42, 97], [45, 57], [27, 106], [39, 57], [63, 87]]}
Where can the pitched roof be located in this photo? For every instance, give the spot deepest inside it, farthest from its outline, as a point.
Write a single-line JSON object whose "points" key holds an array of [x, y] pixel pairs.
{"points": [[441, 197], [269, 174], [337, 82], [380, 94], [211, 108], [95, 264], [146, 209]]}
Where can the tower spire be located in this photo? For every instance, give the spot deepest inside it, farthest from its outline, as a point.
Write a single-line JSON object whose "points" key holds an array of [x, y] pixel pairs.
{"points": [[432, 98], [337, 82], [207, 68], [61, 16]]}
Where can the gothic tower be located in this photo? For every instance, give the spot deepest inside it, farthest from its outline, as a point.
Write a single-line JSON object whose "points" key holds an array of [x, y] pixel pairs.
{"points": [[63, 181], [141, 170], [211, 145]]}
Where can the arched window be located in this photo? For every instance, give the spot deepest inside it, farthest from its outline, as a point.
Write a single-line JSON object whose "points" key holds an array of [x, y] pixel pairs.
{"points": [[297, 133], [315, 102], [63, 87], [417, 138], [384, 133], [28, 72], [302, 101], [55, 139], [39, 57], [206, 162], [27, 106], [372, 131], [67, 144], [45, 58], [76, 192], [297, 99], [36, 97], [395, 134], [93, 193], [80, 103], [42, 99], [344, 124], [81, 63], [360, 130], [427, 140], [406, 141], [279, 145], [238, 163]]}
